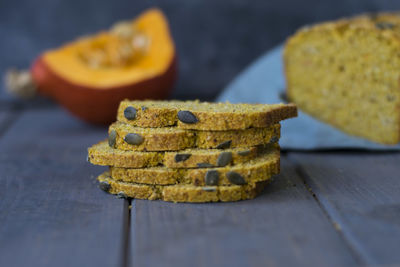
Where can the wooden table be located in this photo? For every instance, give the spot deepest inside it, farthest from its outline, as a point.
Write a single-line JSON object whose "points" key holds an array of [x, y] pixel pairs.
{"points": [[325, 209]]}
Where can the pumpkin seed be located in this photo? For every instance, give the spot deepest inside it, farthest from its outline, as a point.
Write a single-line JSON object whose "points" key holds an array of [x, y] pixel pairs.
{"points": [[130, 113], [133, 139], [204, 165], [224, 159], [235, 178], [105, 186], [211, 177], [209, 189], [224, 145], [274, 139], [244, 152], [186, 116], [283, 96], [181, 157], [87, 158], [121, 195], [111, 138], [143, 108], [384, 25]]}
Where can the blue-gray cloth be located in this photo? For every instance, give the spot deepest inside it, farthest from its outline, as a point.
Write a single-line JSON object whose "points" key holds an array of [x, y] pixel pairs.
{"points": [[263, 82]]}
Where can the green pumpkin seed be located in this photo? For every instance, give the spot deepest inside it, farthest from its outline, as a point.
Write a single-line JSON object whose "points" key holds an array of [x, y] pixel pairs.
{"points": [[384, 25], [181, 157], [204, 165], [224, 159], [130, 113], [133, 139], [105, 186], [111, 138], [186, 116], [209, 189], [121, 195], [211, 177], [224, 145], [244, 153], [235, 178]]}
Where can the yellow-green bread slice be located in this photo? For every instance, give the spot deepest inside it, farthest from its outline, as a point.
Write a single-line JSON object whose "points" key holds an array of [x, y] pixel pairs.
{"points": [[203, 115], [259, 169], [180, 193], [126, 137], [103, 154]]}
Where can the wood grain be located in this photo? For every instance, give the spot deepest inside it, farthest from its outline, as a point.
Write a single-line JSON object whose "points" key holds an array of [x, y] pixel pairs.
{"points": [[282, 227], [360, 192], [51, 211]]}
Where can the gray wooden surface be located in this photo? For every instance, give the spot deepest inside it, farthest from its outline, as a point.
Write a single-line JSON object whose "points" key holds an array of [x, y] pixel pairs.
{"points": [[51, 212], [325, 209]]}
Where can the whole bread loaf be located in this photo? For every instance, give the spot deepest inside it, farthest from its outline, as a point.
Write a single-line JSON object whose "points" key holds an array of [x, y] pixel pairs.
{"points": [[347, 73]]}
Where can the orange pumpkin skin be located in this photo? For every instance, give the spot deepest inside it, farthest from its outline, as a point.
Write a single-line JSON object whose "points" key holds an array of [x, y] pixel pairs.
{"points": [[94, 105]]}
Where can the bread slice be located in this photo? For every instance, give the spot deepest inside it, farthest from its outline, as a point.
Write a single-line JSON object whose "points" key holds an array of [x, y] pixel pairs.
{"points": [[180, 193], [103, 154], [346, 73], [203, 115], [173, 139], [256, 170]]}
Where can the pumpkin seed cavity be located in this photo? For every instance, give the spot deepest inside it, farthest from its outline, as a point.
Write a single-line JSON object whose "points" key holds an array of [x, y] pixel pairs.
{"points": [[105, 186], [186, 116], [130, 113], [211, 177], [111, 138], [224, 159], [224, 145], [133, 139], [235, 178], [181, 157]]}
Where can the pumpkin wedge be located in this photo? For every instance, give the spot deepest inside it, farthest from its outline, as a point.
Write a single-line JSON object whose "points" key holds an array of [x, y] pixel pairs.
{"points": [[89, 77]]}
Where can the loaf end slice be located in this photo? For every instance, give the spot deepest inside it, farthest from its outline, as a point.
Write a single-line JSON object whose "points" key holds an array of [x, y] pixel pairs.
{"points": [[346, 73]]}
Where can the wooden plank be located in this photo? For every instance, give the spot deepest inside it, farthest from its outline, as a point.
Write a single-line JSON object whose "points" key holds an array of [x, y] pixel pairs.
{"points": [[283, 227], [6, 117], [360, 192], [51, 211]]}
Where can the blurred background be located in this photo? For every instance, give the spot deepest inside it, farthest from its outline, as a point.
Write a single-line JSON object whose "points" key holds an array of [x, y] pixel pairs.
{"points": [[215, 40]]}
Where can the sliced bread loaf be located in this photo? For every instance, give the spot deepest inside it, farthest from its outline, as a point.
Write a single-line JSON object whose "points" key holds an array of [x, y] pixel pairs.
{"points": [[346, 73]]}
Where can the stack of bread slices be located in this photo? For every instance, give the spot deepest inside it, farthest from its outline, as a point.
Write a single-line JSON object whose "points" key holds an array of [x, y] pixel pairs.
{"points": [[191, 151]]}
